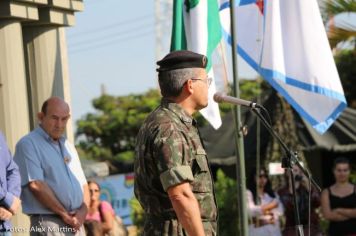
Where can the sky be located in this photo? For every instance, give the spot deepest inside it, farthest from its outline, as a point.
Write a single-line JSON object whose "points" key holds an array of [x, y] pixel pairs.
{"points": [[113, 43]]}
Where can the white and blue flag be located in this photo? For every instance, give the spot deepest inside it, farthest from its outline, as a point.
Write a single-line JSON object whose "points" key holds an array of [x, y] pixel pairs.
{"points": [[286, 43]]}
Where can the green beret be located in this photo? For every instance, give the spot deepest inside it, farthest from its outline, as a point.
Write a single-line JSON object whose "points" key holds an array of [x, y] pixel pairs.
{"points": [[182, 59]]}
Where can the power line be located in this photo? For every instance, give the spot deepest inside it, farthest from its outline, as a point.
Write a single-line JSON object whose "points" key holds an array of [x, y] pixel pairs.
{"points": [[104, 37], [109, 43], [111, 26], [93, 47]]}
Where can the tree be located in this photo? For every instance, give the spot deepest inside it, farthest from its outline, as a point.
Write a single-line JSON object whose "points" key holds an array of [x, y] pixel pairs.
{"points": [[344, 31], [226, 195], [109, 134], [345, 62], [137, 215]]}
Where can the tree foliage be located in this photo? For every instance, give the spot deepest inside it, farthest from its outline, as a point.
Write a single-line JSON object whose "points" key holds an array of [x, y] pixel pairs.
{"points": [[346, 65], [344, 31], [226, 196], [110, 132], [137, 215]]}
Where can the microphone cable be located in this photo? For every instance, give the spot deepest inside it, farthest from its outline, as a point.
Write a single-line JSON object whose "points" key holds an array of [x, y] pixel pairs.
{"points": [[266, 114]]}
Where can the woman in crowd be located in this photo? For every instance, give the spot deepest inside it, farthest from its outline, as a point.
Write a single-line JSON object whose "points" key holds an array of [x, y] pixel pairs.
{"points": [[100, 211], [264, 206], [338, 202], [302, 194]]}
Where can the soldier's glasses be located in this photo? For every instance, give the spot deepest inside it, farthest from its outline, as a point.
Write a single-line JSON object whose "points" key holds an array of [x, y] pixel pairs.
{"points": [[207, 81]]}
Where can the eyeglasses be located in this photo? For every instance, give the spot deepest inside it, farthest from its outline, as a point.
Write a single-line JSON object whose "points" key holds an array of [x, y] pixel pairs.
{"points": [[93, 190], [207, 81]]}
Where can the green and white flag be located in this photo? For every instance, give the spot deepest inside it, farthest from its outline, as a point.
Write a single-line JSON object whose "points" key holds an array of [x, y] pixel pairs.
{"points": [[196, 27]]}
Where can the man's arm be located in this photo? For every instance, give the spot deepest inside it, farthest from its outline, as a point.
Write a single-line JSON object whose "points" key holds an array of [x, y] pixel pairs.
{"points": [[10, 200], [83, 210], [187, 208], [15, 205], [13, 186], [10, 196], [5, 214], [77, 170], [46, 196]]}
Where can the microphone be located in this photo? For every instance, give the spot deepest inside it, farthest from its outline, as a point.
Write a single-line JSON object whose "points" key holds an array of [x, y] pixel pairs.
{"points": [[221, 97]]}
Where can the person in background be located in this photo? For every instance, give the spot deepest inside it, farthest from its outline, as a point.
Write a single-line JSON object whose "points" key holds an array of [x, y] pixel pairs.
{"points": [[10, 188], [302, 191], [338, 202], [100, 211], [173, 181], [93, 228], [54, 189], [264, 207]]}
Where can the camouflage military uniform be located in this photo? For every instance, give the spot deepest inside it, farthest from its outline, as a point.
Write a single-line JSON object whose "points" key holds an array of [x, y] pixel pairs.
{"points": [[169, 151]]}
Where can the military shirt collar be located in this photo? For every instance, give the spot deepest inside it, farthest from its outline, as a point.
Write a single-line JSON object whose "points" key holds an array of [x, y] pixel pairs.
{"points": [[179, 111]]}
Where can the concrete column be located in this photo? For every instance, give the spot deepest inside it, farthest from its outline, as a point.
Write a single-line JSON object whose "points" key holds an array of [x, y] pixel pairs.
{"points": [[47, 67], [13, 92], [14, 118]]}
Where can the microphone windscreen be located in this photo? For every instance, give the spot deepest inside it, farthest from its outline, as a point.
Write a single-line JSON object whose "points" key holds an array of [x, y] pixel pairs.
{"points": [[218, 97]]}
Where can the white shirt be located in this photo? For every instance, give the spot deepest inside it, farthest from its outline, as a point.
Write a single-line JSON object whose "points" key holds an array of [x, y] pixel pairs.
{"points": [[256, 211]]}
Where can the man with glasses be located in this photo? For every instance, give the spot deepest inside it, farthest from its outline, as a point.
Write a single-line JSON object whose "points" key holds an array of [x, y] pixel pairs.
{"points": [[173, 180], [54, 189]]}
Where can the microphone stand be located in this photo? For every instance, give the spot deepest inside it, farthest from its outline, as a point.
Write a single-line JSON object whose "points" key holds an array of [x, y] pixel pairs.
{"points": [[288, 161]]}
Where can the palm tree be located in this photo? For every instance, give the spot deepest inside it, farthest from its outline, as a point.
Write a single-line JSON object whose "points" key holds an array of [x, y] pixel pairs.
{"points": [[344, 31]]}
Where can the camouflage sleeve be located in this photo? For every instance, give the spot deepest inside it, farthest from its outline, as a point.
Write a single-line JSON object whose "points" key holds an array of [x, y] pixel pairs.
{"points": [[171, 149], [176, 175]]}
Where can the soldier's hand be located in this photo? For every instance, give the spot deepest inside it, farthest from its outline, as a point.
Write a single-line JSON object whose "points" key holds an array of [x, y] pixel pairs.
{"points": [[15, 205], [5, 214]]}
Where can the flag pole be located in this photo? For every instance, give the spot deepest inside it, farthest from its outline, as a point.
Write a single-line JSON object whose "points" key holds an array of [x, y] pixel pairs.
{"points": [[240, 162]]}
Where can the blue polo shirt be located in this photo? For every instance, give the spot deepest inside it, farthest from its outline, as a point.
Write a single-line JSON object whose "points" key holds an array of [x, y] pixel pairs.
{"points": [[56, 163], [10, 185]]}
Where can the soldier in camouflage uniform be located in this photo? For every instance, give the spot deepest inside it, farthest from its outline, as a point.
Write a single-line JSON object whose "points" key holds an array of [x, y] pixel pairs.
{"points": [[173, 180]]}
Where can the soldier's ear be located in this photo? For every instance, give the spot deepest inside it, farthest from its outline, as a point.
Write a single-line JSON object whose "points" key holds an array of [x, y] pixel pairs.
{"points": [[188, 86]]}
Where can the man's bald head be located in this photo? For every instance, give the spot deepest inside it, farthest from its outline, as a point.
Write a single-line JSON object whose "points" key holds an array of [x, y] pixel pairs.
{"points": [[54, 116], [53, 101]]}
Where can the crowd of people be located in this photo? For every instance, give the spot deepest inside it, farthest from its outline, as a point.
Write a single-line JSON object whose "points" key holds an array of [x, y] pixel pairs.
{"points": [[54, 191], [268, 208], [173, 179]]}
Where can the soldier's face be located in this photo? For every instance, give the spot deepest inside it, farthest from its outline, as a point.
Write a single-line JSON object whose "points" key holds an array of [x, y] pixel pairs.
{"points": [[201, 87]]}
